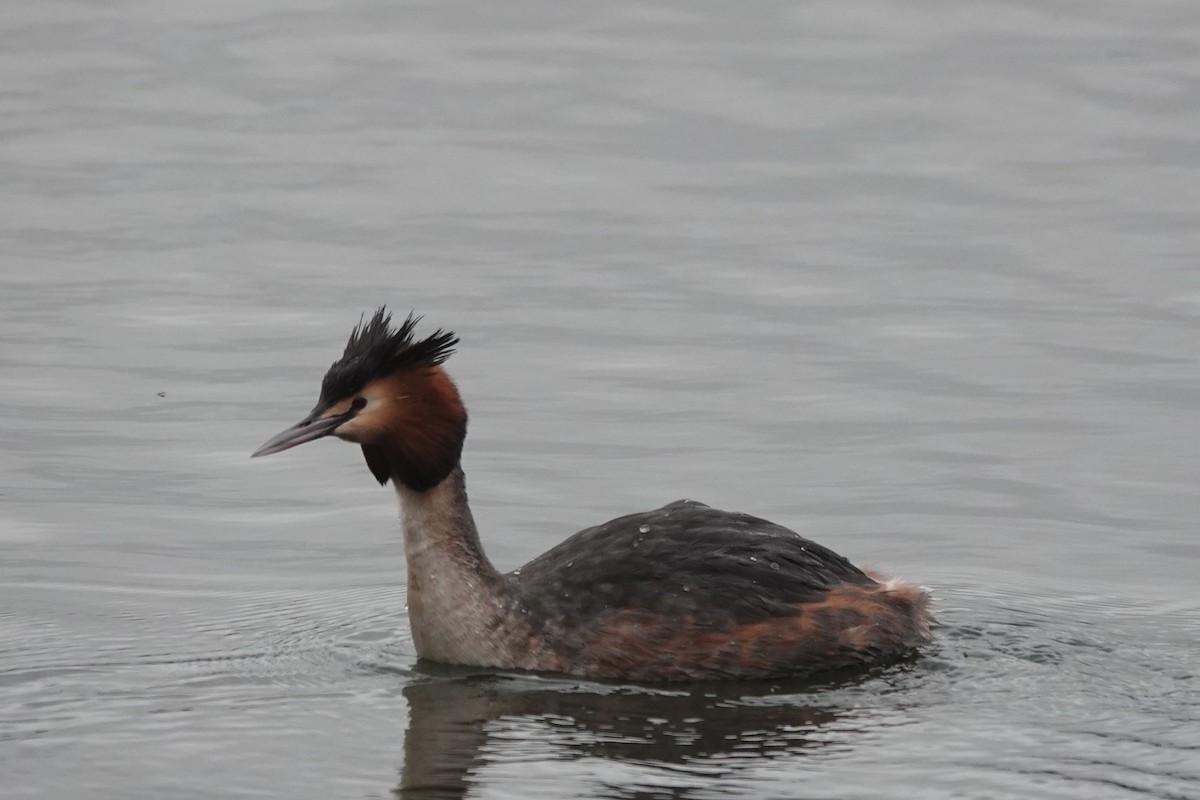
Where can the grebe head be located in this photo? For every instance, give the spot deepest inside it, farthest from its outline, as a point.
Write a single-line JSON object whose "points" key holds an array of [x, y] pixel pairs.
{"points": [[389, 394]]}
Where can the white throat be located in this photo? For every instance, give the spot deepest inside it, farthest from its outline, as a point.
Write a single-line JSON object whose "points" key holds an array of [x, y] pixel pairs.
{"points": [[455, 597]]}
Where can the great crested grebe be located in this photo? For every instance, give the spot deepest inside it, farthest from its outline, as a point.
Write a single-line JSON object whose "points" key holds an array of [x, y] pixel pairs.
{"points": [[685, 592]]}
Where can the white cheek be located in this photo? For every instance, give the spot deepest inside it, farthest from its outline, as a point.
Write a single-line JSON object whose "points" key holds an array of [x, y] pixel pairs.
{"points": [[364, 424], [350, 430]]}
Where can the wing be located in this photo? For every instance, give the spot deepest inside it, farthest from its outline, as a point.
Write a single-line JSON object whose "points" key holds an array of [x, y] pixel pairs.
{"points": [[714, 568]]}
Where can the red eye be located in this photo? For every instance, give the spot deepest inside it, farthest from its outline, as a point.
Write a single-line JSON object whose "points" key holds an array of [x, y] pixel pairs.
{"points": [[358, 403]]}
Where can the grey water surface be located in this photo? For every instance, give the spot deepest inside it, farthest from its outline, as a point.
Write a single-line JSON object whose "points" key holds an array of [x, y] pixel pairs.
{"points": [[919, 280]]}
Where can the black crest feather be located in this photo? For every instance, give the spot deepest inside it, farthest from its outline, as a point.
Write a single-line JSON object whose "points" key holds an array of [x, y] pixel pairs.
{"points": [[376, 350]]}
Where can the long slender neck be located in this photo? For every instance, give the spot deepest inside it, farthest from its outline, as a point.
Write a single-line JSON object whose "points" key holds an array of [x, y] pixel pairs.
{"points": [[456, 597]]}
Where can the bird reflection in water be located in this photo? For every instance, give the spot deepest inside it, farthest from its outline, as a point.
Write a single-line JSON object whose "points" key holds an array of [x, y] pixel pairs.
{"points": [[711, 730]]}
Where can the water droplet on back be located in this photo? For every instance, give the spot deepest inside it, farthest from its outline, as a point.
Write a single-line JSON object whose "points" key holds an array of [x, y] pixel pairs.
{"points": [[644, 529]]}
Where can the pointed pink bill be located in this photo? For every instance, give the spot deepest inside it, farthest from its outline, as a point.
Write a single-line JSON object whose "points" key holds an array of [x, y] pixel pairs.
{"points": [[306, 430]]}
